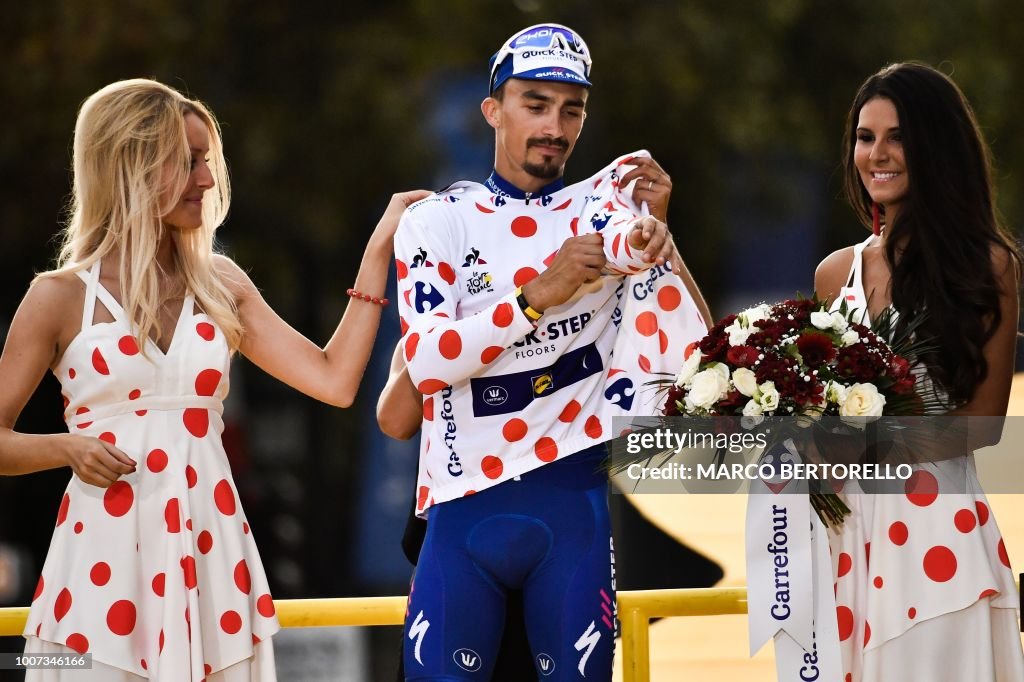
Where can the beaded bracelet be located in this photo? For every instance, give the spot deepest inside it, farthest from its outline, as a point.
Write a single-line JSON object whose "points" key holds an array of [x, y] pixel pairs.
{"points": [[365, 297]]}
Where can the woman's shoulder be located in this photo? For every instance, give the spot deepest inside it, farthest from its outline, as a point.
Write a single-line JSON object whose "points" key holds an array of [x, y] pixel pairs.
{"points": [[832, 271], [233, 276], [53, 303], [61, 288], [1005, 262]]}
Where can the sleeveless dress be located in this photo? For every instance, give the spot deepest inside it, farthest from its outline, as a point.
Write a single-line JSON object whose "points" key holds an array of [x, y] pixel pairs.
{"points": [[157, 576], [924, 589]]}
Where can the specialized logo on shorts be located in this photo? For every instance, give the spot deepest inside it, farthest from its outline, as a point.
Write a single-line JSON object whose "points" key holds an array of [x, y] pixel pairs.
{"points": [[542, 384], [495, 395], [587, 643], [417, 631], [467, 659], [545, 664]]}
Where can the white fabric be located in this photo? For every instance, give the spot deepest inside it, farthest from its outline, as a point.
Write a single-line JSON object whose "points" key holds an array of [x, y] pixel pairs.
{"points": [[157, 575], [975, 644], [460, 255]]}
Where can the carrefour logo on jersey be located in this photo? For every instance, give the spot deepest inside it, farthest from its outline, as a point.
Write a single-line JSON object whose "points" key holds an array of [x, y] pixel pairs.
{"points": [[621, 393], [448, 415], [642, 289], [427, 297]]}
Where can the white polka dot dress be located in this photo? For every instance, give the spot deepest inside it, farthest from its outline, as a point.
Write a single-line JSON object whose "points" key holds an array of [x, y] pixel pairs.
{"points": [[930, 553], [157, 575]]}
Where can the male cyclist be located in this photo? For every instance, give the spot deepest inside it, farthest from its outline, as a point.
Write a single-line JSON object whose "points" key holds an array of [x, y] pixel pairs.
{"points": [[532, 312]]}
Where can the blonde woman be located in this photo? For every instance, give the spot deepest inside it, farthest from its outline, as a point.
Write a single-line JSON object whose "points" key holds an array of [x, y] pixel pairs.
{"points": [[152, 567]]}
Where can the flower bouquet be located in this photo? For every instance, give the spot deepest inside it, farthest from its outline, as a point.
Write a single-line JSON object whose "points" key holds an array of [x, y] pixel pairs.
{"points": [[797, 359]]}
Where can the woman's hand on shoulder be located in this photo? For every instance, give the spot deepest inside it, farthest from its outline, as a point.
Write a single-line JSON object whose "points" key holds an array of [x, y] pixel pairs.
{"points": [[388, 224]]}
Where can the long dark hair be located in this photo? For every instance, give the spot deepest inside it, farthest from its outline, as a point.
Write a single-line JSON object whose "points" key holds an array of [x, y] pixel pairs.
{"points": [[940, 245]]}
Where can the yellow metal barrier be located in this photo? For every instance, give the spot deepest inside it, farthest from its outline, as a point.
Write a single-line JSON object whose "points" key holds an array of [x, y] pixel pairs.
{"points": [[638, 607], [635, 612]]}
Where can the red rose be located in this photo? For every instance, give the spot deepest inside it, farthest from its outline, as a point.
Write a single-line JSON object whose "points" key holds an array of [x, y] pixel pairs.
{"points": [[899, 367], [905, 385]]}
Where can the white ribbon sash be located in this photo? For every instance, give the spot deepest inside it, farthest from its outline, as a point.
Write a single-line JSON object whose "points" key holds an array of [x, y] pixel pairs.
{"points": [[789, 579]]}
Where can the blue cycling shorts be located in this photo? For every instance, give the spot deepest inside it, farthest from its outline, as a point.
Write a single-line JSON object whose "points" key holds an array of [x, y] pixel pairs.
{"points": [[547, 534]]}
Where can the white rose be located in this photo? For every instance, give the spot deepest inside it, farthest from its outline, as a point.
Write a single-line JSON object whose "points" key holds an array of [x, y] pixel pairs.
{"points": [[862, 400], [737, 333], [839, 323], [707, 388], [769, 398], [689, 367], [752, 409], [850, 337], [836, 393], [745, 380], [821, 319], [722, 369]]}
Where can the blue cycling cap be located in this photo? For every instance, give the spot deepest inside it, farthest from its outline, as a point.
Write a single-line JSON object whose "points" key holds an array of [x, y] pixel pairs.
{"points": [[545, 52]]}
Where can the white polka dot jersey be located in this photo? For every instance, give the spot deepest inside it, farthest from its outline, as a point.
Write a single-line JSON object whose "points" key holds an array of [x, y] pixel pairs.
{"points": [[504, 395]]}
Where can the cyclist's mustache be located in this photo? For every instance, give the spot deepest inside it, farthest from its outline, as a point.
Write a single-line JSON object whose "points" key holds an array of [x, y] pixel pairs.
{"points": [[548, 142]]}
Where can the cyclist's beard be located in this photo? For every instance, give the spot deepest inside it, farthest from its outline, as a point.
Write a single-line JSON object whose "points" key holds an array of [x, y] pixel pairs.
{"points": [[550, 168]]}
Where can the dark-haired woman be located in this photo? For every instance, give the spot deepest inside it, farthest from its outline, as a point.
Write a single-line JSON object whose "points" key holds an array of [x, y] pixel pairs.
{"points": [[924, 589]]}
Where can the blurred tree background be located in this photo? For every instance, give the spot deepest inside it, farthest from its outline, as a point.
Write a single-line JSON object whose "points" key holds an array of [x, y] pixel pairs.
{"points": [[328, 108]]}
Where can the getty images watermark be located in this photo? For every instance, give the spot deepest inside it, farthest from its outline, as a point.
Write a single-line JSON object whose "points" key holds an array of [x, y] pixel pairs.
{"points": [[668, 442], [877, 456]]}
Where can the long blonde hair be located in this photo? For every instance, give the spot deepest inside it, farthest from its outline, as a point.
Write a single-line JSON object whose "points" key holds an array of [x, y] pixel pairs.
{"points": [[131, 166]]}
